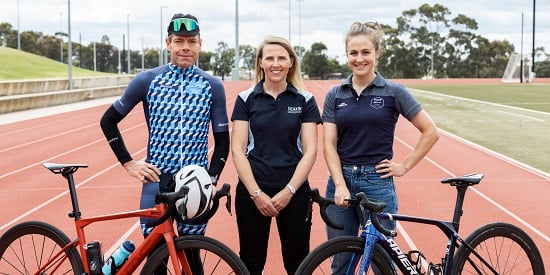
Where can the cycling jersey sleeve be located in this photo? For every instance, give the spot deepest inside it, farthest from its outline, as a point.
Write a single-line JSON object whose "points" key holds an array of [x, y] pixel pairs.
{"points": [[109, 125], [219, 157]]}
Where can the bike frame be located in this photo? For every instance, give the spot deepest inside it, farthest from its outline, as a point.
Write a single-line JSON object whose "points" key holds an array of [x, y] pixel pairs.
{"points": [[163, 231], [450, 229]]}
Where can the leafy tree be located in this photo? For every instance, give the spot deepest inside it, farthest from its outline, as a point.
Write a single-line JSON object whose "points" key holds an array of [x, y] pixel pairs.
{"points": [[224, 59], [29, 42], [8, 36], [151, 57], [50, 47], [315, 61], [248, 58], [204, 60]]}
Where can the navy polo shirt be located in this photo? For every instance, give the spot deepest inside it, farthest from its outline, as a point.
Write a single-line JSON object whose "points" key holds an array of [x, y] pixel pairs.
{"points": [[274, 145], [366, 123]]}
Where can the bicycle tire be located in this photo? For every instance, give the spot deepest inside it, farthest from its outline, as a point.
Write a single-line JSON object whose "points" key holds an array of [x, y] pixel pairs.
{"points": [[29, 245], [318, 261], [216, 257], [505, 246]]}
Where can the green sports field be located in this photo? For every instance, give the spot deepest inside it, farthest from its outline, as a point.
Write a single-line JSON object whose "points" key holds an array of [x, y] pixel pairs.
{"points": [[510, 119]]}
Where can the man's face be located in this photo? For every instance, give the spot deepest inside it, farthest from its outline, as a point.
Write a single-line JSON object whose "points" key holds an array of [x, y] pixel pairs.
{"points": [[184, 50]]}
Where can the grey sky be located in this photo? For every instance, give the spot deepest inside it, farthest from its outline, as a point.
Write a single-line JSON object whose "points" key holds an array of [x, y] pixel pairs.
{"points": [[310, 20]]}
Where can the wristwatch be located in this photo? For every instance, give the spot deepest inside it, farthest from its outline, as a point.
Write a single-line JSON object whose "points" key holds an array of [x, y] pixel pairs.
{"points": [[255, 194], [291, 188]]}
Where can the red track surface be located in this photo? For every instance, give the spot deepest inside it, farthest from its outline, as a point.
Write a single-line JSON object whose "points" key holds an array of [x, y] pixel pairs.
{"points": [[509, 192]]}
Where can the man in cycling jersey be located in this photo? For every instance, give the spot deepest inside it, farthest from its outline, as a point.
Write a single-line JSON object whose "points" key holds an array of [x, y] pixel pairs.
{"points": [[180, 101]]}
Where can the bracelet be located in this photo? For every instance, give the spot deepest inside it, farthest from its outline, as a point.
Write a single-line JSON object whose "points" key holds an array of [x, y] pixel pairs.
{"points": [[255, 194], [291, 188]]}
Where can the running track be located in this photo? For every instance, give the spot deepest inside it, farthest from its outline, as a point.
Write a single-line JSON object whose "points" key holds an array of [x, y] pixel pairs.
{"points": [[509, 192]]}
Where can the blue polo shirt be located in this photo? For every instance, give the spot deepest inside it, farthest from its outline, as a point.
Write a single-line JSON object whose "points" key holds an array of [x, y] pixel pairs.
{"points": [[274, 146], [366, 123]]}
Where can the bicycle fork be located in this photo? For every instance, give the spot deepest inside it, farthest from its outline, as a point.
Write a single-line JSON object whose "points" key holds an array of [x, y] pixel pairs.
{"points": [[373, 236]]}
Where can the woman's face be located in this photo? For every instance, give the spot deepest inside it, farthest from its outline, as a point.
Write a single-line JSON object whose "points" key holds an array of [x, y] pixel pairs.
{"points": [[362, 55], [275, 63]]}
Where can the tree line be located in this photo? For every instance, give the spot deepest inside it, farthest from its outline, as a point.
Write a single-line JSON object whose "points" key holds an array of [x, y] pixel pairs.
{"points": [[426, 42]]}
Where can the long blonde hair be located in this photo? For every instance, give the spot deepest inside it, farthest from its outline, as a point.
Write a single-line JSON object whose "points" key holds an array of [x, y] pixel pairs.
{"points": [[293, 76]]}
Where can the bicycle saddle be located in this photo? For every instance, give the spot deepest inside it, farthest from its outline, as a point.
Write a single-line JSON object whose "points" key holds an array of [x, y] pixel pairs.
{"points": [[466, 180]]}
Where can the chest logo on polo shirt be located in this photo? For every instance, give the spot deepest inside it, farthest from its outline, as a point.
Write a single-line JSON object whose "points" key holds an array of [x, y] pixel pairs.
{"points": [[294, 110], [377, 102]]}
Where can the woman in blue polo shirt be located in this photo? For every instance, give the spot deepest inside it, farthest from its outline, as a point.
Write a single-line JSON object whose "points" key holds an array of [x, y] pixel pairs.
{"points": [[359, 118], [274, 146]]}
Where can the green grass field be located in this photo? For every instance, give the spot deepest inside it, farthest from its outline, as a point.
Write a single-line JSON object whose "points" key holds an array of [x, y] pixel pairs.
{"points": [[529, 96], [510, 119], [16, 64]]}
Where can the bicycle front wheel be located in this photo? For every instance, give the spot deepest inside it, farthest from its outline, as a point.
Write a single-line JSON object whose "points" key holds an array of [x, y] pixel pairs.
{"points": [[28, 246], [204, 254], [507, 248], [321, 259]]}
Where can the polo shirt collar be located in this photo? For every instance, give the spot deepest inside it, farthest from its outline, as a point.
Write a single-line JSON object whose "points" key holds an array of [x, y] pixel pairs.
{"points": [[259, 88], [379, 81]]}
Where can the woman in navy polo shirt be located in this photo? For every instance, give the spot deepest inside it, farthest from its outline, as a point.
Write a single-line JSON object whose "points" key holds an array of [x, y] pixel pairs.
{"points": [[274, 146], [359, 119]]}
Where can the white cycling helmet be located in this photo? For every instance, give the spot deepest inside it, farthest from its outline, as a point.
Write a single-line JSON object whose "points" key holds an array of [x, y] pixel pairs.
{"points": [[200, 191]]}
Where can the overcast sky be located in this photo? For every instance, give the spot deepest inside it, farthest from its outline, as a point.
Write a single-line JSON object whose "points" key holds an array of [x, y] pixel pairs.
{"points": [[310, 21]]}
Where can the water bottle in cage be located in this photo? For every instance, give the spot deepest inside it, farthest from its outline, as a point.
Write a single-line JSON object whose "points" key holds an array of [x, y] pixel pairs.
{"points": [[118, 258]]}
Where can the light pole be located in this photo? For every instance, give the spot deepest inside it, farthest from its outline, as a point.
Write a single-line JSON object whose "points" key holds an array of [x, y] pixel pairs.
{"points": [[533, 52], [289, 16], [432, 59], [142, 55], [128, 55], [161, 52], [70, 46], [18, 28], [300, 32], [235, 74]]}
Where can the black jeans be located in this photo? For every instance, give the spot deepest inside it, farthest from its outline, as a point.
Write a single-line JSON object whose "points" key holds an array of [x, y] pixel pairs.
{"points": [[293, 224]]}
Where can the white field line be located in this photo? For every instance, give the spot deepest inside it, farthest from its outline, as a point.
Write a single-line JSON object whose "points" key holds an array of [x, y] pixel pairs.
{"points": [[523, 116], [438, 95]]}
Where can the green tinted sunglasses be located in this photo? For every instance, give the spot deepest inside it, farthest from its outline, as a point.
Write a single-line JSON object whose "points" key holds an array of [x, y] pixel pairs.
{"points": [[190, 24]]}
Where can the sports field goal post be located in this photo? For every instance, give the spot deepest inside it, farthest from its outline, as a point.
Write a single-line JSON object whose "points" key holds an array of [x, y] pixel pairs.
{"points": [[512, 73]]}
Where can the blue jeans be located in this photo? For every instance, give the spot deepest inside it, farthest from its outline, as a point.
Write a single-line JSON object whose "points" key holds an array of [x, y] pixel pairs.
{"points": [[359, 178]]}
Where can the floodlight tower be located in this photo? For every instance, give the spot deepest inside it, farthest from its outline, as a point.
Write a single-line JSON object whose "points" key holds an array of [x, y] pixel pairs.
{"points": [[161, 51], [18, 28], [533, 52], [236, 71], [70, 46]]}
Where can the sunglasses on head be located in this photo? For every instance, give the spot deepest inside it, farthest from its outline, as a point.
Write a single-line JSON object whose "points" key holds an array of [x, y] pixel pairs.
{"points": [[190, 24]]}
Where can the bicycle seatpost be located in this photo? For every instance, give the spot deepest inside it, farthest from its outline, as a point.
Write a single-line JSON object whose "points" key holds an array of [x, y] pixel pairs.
{"points": [[67, 171], [460, 195], [461, 183]]}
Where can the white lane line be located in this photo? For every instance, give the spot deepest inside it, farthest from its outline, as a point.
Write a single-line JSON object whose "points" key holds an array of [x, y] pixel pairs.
{"points": [[62, 154], [523, 116]]}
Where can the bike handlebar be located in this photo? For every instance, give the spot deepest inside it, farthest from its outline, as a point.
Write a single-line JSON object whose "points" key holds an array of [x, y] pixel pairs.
{"points": [[362, 202], [170, 198]]}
